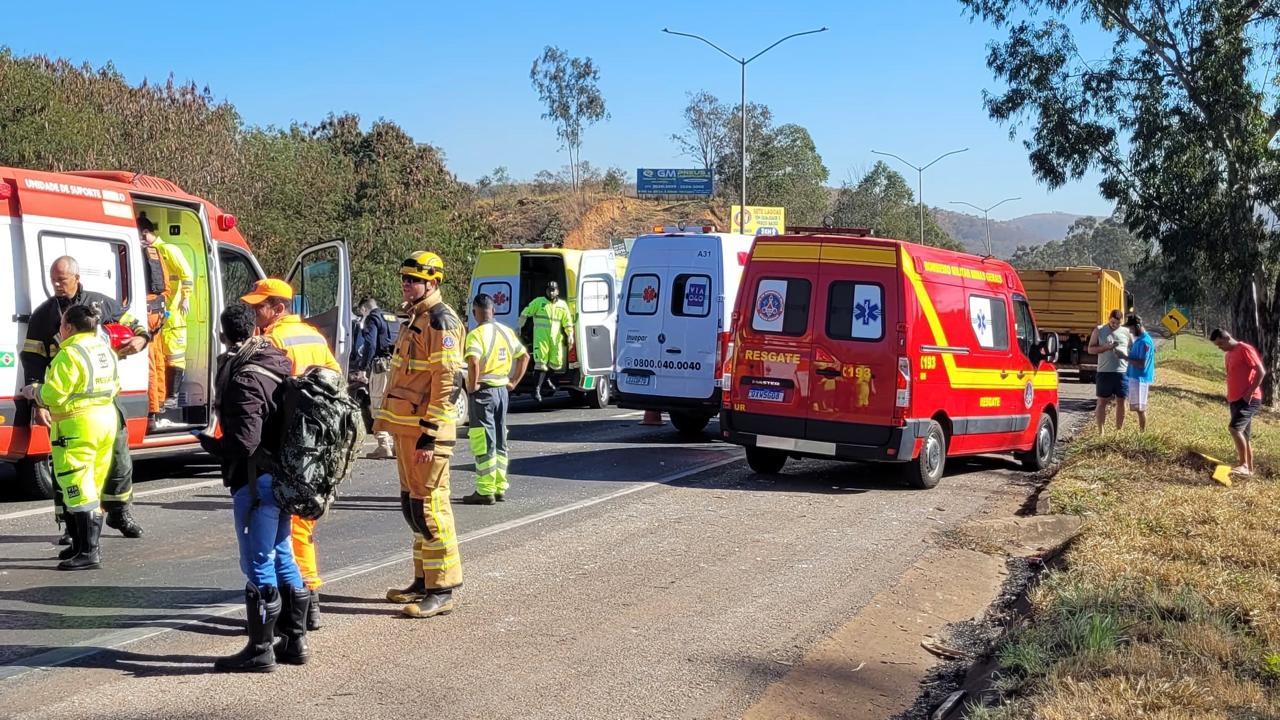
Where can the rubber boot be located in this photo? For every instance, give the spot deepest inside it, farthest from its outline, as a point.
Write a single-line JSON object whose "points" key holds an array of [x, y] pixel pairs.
{"points": [[439, 602], [313, 612], [476, 498], [88, 530], [416, 592], [121, 519], [60, 516], [537, 388], [73, 544], [291, 648], [262, 610]]}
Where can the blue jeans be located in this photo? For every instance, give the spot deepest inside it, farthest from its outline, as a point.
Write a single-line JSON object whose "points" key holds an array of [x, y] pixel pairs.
{"points": [[266, 553]]}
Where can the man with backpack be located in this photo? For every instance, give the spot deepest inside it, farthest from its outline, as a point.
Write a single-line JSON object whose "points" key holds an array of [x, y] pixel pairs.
{"points": [[305, 348], [418, 410], [250, 386]]}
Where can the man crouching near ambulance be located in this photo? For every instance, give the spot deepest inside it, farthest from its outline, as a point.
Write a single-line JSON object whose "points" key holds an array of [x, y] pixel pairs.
{"points": [[418, 410]]}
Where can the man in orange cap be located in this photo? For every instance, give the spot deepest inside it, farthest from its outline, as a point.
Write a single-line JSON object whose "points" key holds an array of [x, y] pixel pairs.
{"points": [[306, 347]]}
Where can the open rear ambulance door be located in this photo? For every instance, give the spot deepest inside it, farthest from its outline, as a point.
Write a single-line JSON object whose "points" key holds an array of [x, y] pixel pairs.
{"points": [[597, 312], [321, 280]]}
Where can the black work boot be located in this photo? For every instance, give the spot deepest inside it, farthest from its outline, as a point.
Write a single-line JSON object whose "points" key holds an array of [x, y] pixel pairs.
{"points": [[313, 612], [438, 602], [121, 519], [416, 591], [62, 517], [292, 648], [476, 498], [500, 497], [262, 610], [88, 529], [73, 541]]}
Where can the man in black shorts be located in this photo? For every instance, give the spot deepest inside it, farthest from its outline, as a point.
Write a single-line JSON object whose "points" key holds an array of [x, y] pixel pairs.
{"points": [[1110, 342]]}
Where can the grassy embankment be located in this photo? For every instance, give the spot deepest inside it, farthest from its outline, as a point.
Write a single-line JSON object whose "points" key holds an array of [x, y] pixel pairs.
{"points": [[1168, 605]]}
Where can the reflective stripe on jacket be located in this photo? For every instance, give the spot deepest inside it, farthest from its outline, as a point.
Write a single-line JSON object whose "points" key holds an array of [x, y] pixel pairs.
{"points": [[82, 375], [424, 380], [495, 347], [304, 345]]}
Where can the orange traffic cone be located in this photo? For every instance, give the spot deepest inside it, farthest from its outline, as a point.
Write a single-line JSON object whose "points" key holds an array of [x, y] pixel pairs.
{"points": [[652, 417]]}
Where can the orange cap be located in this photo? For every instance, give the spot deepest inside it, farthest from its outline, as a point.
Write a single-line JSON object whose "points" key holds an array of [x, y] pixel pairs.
{"points": [[270, 287]]}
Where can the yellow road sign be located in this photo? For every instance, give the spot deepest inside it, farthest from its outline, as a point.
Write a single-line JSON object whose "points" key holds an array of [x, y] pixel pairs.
{"points": [[1175, 320]]}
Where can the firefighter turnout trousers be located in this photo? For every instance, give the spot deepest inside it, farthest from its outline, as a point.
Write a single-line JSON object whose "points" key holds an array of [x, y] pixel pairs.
{"points": [[424, 500], [116, 491], [487, 411]]}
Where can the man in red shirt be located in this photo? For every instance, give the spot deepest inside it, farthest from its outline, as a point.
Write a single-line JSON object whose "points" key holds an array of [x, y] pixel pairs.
{"points": [[1245, 372]]}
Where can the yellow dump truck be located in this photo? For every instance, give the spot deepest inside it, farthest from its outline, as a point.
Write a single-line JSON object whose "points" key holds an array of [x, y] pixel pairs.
{"points": [[1072, 301]]}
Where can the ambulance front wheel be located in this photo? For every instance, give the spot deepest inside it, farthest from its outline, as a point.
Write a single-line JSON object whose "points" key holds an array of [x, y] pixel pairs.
{"points": [[766, 461], [1041, 454], [925, 471], [35, 477]]}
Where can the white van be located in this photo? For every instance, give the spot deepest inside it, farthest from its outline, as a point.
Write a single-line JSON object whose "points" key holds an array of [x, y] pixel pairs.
{"points": [[678, 288]]}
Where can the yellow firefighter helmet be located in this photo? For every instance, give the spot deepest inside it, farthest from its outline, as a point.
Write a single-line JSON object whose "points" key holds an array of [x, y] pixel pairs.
{"points": [[425, 265]]}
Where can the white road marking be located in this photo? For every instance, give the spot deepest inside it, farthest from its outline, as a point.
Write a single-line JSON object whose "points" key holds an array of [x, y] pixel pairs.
{"points": [[121, 638], [143, 493]]}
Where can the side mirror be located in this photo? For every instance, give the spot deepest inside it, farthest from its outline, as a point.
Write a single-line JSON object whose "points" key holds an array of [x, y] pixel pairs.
{"points": [[1049, 346]]}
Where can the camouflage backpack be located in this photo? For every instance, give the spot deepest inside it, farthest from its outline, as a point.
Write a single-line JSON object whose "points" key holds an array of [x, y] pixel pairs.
{"points": [[322, 430]]}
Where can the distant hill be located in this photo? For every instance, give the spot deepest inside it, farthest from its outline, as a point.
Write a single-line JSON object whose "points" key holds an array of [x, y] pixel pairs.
{"points": [[1006, 235]]}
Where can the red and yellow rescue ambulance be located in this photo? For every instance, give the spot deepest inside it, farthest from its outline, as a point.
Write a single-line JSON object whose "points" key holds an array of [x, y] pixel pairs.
{"points": [[851, 347], [91, 216]]}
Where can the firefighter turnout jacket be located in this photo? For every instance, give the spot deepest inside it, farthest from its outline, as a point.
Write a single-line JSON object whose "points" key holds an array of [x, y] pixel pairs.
{"points": [[425, 381], [41, 344]]}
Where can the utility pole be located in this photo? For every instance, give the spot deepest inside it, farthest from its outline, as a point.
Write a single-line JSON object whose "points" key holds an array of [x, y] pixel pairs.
{"points": [[986, 220], [743, 62], [920, 179]]}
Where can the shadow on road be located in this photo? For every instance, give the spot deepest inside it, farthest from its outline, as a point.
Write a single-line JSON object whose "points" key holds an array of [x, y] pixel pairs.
{"points": [[611, 464], [132, 663]]}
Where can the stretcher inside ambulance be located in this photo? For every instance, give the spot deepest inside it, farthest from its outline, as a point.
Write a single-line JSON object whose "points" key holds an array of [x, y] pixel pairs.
{"points": [[122, 228]]}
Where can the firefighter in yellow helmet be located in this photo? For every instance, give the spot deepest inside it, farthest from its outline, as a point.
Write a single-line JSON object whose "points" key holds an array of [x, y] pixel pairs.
{"points": [[79, 391], [418, 410]]}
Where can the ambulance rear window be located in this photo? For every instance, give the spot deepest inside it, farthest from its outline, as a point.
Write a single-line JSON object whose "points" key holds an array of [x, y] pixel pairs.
{"points": [[855, 311], [642, 294], [989, 318], [691, 295], [781, 306]]}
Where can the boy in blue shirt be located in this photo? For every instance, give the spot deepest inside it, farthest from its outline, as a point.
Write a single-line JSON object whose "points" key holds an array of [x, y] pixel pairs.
{"points": [[1142, 368]]}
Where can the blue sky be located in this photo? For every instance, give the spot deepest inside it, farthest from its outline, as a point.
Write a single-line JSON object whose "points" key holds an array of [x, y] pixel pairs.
{"points": [[904, 77]]}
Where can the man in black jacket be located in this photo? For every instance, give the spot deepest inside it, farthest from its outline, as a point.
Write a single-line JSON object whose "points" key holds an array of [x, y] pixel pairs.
{"points": [[370, 354], [37, 352], [250, 386]]}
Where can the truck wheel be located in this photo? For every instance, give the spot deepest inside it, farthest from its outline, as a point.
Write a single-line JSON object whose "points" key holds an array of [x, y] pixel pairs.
{"points": [[690, 424], [600, 396], [35, 477], [460, 412], [1042, 453], [925, 471], [766, 461]]}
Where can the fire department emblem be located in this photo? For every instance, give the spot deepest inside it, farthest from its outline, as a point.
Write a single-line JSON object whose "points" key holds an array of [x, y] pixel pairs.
{"points": [[448, 342], [769, 305], [1028, 394]]}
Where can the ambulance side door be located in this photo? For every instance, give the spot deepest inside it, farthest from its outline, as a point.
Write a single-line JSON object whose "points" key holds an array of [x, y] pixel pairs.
{"points": [[321, 278]]}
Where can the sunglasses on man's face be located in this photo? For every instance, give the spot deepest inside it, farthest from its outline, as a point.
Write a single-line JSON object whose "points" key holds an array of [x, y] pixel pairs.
{"points": [[406, 280]]}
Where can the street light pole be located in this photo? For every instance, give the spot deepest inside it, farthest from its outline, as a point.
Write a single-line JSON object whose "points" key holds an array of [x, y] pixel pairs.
{"points": [[743, 62], [985, 219], [920, 179]]}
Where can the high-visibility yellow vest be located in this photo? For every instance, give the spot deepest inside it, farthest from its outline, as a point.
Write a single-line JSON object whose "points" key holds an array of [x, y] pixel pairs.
{"points": [[496, 347], [82, 375]]}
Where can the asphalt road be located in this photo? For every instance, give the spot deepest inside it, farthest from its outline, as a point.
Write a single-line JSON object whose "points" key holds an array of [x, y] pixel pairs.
{"points": [[630, 574]]}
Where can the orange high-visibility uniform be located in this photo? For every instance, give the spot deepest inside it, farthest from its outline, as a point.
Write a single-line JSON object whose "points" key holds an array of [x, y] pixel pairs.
{"points": [[418, 409], [305, 347]]}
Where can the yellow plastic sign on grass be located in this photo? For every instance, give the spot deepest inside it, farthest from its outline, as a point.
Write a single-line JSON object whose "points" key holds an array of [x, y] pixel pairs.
{"points": [[1175, 320], [1221, 470]]}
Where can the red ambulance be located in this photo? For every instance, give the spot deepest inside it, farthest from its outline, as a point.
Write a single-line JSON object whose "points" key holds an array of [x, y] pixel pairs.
{"points": [[846, 346], [90, 216]]}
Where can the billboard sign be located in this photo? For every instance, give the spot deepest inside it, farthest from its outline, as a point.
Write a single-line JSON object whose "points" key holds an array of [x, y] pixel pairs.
{"points": [[758, 220], [695, 182]]}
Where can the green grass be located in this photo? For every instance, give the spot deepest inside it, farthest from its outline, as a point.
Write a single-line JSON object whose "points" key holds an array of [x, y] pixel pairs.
{"points": [[1169, 602]]}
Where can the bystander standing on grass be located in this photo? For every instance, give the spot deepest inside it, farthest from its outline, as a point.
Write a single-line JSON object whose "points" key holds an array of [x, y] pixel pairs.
{"points": [[1245, 372], [1142, 368]]}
